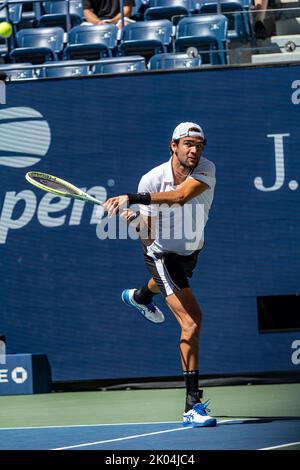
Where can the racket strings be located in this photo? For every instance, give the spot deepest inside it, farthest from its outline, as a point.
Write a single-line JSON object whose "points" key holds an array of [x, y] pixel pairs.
{"points": [[54, 185]]}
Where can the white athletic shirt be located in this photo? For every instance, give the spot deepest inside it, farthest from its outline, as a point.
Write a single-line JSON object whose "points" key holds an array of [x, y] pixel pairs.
{"points": [[179, 229]]}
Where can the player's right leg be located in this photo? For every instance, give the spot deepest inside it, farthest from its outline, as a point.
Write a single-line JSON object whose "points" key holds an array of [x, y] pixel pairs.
{"points": [[188, 314], [171, 273]]}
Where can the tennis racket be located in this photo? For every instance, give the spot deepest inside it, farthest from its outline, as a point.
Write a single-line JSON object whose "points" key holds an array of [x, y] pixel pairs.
{"points": [[60, 187]]}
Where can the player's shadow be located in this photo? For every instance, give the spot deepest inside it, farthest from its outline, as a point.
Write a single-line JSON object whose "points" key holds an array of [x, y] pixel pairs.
{"points": [[258, 420]]}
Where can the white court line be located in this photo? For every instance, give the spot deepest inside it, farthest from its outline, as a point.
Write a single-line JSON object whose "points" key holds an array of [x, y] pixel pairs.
{"points": [[123, 438], [140, 435], [20, 428], [240, 420], [87, 425], [220, 422], [282, 445]]}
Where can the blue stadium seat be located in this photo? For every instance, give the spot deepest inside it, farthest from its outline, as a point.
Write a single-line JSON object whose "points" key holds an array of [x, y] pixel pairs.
{"points": [[139, 9], [65, 68], [56, 14], [18, 71], [3, 47], [205, 32], [173, 61], [236, 12], [31, 12], [91, 42], [37, 45], [120, 65], [166, 9], [15, 13], [146, 38]]}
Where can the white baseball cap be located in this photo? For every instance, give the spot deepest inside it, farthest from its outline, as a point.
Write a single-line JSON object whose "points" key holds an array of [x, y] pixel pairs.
{"points": [[183, 130]]}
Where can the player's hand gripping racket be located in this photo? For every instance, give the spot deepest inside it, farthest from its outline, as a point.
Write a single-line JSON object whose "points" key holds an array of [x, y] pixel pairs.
{"points": [[60, 187]]}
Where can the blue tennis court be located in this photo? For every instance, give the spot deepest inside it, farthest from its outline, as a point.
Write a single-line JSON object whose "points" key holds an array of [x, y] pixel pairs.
{"points": [[248, 418], [233, 434]]}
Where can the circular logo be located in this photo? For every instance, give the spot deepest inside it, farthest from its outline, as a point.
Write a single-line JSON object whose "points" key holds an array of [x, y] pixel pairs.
{"points": [[25, 137], [19, 375]]}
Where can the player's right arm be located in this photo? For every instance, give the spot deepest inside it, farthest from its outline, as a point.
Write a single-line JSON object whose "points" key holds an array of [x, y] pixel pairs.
{"points": [[147, 229], [143, 224], [148, 214]]}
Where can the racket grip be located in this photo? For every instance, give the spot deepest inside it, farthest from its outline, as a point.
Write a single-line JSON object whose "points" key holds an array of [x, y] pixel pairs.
{"points": [[134, 216]]}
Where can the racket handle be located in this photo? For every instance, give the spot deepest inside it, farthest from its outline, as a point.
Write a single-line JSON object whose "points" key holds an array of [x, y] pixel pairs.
{"points": [[134, 216]]}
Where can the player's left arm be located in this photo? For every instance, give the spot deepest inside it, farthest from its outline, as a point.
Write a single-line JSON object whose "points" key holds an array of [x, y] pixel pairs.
{"points": [[189, 189], [195, 184], [192, 187]]}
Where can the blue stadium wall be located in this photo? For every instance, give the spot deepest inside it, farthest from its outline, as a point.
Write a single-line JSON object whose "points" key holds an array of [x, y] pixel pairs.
{"points": [[60, 285]]}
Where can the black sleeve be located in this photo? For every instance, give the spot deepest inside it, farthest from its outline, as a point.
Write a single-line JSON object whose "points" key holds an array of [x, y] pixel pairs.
{"points": [[129, 2], [87, 5]]}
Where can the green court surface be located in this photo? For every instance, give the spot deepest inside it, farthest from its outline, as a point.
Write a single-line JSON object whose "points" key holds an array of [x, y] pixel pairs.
{"points": [[154, 405]]}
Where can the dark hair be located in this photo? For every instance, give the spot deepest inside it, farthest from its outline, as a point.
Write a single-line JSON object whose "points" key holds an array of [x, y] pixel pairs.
{"points": [[194, 129], [176, 142]]}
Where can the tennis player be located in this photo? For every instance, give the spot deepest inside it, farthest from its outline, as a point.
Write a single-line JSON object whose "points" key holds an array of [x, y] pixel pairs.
{"points": [[174, 199]]}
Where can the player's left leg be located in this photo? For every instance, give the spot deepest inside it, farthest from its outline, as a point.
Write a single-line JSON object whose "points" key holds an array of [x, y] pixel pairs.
{"points": [[142, 300]]}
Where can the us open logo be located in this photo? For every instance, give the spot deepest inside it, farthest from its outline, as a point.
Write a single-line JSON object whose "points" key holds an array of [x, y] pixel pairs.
{"points": [[25, 137]]}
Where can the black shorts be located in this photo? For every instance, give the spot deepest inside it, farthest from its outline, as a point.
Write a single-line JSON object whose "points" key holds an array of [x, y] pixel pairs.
{"points": [[171, 271]]}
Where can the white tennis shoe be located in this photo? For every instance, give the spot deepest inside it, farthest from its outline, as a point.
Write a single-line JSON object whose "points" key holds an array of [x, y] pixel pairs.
{"points": [[198, 417], [151, 312]]}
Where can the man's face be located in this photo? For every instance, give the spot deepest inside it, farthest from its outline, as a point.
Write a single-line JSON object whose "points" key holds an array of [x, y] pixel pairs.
{"points": [[188, 151]]}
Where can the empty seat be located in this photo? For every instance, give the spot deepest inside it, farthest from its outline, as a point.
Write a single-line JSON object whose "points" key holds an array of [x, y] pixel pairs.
{"points": [[166, 9], [56, 14], [31, 12], [139, 9], [146, 38], [37, 45], [173, 61], [120, 65], [236, 12], [14, 13], [205, 32], [65, 68], [3, 47], [91, 42]]}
